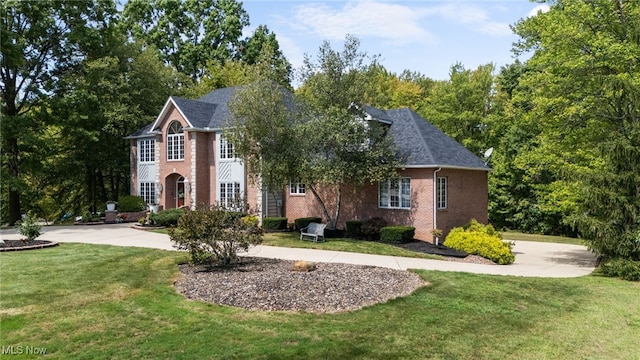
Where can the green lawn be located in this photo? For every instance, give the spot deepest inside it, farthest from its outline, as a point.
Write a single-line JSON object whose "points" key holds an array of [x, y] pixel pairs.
{"points": [[292, 239], [102, 302], [514, 235]]}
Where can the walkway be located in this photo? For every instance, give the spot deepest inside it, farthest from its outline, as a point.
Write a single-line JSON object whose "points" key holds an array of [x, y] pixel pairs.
{"points": [[533, 259]]}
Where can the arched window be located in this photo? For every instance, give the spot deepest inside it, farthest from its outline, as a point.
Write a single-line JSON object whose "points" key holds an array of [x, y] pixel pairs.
{"points": [[175, 142]]}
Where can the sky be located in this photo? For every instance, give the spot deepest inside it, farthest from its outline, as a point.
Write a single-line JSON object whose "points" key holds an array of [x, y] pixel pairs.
{"points": [[427, 36]]}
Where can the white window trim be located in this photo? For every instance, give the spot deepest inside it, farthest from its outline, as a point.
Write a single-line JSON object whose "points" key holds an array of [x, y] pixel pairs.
{"points": [[404, 190], [147, 151], [175, 144], [147, 190], [442, 193], [297, 188], [230, 202], [227, 151]]}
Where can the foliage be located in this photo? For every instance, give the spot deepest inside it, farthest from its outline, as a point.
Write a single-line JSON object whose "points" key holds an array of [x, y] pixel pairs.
{"points": [[354, 229], [271, 129], [29, 227], [274, 223], [302, 223], [371, 228], [584, 87], [478, 239], [187, 33], [214, 236], [397, 234], [623, 268], [462, 106], [130, 203], [167, 217], [40, 43]]}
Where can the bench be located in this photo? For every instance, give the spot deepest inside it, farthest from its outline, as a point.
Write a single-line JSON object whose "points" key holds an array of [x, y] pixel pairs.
{"points": [[314, 232]]}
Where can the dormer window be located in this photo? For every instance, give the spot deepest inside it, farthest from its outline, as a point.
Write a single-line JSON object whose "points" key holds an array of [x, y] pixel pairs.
{"points": [[175, 141]]}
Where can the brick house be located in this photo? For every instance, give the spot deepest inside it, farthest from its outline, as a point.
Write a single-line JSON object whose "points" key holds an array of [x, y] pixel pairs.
{"points": [[182, 159]]}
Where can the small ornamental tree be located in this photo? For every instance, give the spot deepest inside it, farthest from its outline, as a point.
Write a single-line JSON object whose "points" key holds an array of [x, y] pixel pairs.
{"points": [[29, 227], [320, 136], [214, 236]]}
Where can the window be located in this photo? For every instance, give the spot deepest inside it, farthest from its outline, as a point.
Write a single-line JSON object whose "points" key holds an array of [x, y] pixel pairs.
{"points": [[226, 149], [442, 193], [146, 151], [148, 192], [296, 188], [395, 193], [230, 195], [175, 142]]}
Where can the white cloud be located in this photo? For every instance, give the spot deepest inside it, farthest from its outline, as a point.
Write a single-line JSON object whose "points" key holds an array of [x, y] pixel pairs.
{"points": [[472, 16], [395, 23], [538, 9], [387, 21]]}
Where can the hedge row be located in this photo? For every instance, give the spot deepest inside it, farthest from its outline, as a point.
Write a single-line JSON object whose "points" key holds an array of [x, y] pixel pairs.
{"points": [[397, 234], [274, 223]]}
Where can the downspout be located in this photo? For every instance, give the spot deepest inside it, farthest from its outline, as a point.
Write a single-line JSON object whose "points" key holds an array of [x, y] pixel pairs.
{"points": [[435, 201]]}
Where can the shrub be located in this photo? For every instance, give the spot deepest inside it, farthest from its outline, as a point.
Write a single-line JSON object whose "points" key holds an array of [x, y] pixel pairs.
{"points": [[29, 227], [302, 223], [623, 268], [167, 217], [397, 234], [129, 203], [274, 223], [480, 240], [354, 229], [371, 228], [214, 236]]}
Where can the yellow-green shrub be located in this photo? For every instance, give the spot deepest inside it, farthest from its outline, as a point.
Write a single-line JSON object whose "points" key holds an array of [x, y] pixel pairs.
{"points": [[478, 239]]}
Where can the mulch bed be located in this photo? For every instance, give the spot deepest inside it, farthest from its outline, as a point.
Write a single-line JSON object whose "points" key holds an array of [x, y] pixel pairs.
{"points": [[429, 248], [16, 245]]}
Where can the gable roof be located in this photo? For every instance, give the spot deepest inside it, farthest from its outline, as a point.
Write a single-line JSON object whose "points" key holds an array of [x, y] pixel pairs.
{"points": [[420, 144]]}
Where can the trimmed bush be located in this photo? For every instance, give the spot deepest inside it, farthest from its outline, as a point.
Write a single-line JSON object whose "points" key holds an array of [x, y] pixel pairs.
{"points": [[167, 217], [304, 222], [129, 203], [354, 229], [274, 223], [214, 236], [482, 240], [397, 234], [623, 268], [371, 228]]}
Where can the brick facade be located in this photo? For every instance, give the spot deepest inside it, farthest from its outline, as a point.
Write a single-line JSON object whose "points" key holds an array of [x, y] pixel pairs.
{"points": [[467, 199]]}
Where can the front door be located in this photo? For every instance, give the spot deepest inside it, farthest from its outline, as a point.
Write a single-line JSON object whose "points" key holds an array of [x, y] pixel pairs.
{"points": [[180, 192]]}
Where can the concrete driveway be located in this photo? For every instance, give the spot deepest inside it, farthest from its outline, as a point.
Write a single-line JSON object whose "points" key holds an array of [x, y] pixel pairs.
{"points": [[533, 259]]}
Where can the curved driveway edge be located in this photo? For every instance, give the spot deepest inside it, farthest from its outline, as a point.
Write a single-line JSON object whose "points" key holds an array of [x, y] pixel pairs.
{"points": [[533, 259]]}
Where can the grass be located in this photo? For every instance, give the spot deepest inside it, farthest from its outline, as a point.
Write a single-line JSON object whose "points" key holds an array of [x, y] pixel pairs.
{"points": [[514, 235], [101, 302], [292, 240]]}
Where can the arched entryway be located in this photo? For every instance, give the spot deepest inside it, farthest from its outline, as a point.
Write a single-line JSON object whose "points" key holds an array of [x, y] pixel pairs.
{"points": [[177, 188]]}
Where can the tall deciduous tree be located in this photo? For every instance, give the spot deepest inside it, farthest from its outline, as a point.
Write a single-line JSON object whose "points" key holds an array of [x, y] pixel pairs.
{"points": [[585, 78], [189, 33], [272, 130], [41, 41], [460, 106]]}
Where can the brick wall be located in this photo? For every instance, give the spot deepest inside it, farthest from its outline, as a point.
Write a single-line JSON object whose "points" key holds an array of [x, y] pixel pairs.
{"points": [[171, 170], [467, 199]]}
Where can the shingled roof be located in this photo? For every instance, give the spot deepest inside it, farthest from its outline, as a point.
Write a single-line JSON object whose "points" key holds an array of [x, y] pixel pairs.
{"points": [[420, 144]]}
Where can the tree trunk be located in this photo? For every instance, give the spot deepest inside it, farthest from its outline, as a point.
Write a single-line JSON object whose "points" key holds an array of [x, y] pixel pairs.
{"points": [[14, 195]]}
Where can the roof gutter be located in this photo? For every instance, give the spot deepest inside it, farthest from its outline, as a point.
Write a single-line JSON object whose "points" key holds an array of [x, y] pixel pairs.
{"points": [[435, 200]]}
